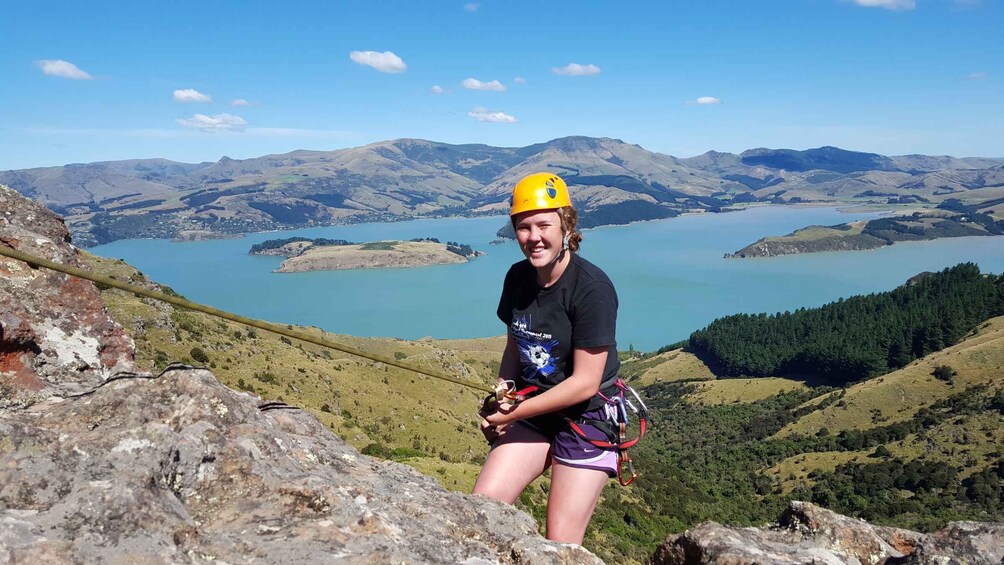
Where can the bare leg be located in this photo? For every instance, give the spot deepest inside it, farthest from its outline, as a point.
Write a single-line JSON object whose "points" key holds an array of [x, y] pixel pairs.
{"points": [[519, 457], [574, 493]]}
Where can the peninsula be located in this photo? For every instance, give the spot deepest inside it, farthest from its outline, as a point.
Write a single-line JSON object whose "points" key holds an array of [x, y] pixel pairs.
{"points": [[926, 225], [305, 254]]}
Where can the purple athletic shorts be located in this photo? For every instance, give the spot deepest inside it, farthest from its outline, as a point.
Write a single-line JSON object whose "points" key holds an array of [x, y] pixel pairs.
{"points": [[568, 448]]}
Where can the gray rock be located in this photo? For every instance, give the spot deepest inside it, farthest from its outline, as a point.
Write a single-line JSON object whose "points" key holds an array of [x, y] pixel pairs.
{"points": [[808, 534], [960, 543], [180, 469]]}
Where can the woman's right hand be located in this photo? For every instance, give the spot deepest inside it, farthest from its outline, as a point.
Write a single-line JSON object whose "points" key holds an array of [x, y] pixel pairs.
{"points": [[490, 432]]}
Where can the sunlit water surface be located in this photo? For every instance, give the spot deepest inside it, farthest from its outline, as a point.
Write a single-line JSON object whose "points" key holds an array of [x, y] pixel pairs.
{"points": [[670, 275]]}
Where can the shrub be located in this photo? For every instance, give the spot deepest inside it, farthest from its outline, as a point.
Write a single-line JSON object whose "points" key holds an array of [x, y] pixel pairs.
{"points": [[376, 450], [198, 355], [944, 373], [882, 451]]}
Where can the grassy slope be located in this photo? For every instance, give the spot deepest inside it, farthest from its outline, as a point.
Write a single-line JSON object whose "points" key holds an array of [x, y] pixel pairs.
{"points": [[671, 366], [680, 366], [971, 442], [363, 402], [898, 396], [813, 233]]}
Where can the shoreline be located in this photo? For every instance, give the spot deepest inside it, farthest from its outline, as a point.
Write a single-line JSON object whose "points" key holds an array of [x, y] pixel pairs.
{"points": [[843, 208]]}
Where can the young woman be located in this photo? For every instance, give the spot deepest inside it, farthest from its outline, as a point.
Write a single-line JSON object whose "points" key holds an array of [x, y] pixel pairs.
{"points": [[561, 312]]}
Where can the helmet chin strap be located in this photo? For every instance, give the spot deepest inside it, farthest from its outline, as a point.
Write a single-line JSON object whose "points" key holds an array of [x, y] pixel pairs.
{"points": [[564, 247]]}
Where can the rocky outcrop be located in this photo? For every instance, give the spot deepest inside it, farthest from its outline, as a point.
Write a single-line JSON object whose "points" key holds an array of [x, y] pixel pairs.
{"points": [[179, 469], [808, 534], [55, 336], [102, 465]]}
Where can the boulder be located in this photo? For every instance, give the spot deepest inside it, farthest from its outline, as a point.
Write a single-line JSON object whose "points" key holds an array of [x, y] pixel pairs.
{"points": [[178, 468], [808, 534]]}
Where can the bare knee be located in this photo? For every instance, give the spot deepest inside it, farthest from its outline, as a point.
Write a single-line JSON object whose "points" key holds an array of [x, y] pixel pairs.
{"points": [[566, 532], [572, 500], [495, 486]]}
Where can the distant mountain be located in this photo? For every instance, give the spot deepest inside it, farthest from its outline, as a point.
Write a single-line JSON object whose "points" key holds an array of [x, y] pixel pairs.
{"points": [[823, 159], [611, 182]]}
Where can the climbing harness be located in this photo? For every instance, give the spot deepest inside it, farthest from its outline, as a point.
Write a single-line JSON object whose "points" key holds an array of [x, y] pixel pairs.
{"points": [[267, 326], [614, 426]]}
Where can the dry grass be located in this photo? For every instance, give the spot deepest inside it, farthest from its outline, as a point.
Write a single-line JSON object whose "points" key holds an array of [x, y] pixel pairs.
{"points": [[813, 233], [794, 471], [897, 396], [735, 391], [671, 366], [970, 442]]}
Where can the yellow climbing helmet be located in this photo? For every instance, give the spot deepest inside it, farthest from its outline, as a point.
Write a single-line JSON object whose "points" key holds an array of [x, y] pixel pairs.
{"points": [[539, 191]]}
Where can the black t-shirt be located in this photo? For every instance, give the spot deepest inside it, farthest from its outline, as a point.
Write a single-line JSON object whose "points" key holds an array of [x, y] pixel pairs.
{"points": [[577, 311]]}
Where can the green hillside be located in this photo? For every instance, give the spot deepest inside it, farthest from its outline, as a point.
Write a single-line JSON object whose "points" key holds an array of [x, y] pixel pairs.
{"points": [[856, 338]]}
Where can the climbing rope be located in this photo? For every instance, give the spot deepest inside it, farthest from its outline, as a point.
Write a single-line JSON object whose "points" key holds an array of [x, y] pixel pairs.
{"points": [[267, 326]]}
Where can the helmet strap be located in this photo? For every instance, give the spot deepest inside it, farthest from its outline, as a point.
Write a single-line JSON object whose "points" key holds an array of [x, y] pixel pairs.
{"points": [[558, 257], [561, 254]]}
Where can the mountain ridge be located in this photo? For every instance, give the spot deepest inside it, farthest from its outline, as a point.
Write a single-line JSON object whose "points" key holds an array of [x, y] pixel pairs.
{"points": [[611, 181]]}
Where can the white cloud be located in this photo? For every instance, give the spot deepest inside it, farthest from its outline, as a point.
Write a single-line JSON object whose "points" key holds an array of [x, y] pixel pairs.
{"points": [[436, 89], [212, 124], [64, 69], [386, 62], [978, 76], [191, 95], [484, 115], [472, 6], [519, 80], [575, 69], [888, 4], [241, 102], [705, 100], [475, 84]]}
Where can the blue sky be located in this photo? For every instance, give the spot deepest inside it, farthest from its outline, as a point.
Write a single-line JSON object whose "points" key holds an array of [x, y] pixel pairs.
{"points": [[90, 81]]}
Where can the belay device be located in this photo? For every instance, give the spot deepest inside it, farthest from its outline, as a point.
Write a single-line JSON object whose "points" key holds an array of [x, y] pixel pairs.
{"points": [[614, 426]]}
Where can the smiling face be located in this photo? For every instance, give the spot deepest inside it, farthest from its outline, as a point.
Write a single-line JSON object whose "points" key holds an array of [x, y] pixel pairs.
{"points": [[540, 236]]}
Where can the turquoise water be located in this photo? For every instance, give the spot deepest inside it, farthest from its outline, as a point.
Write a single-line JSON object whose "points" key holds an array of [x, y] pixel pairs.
{"points": [[670, 275]]}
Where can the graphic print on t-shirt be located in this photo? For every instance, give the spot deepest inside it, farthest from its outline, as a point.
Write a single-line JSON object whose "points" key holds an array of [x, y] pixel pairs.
{"points": [[535, 349]]}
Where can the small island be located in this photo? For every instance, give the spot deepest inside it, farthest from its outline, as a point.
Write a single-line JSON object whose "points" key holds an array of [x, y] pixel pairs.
{"points": [[305, 254], [926, 225]]}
